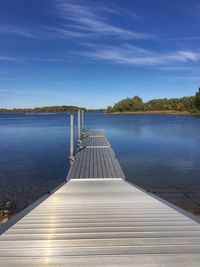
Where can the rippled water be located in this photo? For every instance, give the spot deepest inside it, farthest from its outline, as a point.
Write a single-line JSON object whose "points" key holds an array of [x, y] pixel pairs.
{"points": [[160, 153]]}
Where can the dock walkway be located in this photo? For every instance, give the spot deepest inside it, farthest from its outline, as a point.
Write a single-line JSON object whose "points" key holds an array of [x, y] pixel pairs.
{"points": [[99, 219], [95, 159]]}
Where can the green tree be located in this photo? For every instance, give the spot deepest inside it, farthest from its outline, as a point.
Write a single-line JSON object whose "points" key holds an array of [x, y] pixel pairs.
{"points": [[128, 104], [123, 105], [109, 109], [137, 103], [197, 100]]}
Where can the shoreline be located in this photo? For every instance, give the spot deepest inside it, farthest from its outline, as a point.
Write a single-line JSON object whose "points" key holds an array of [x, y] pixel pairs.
{"points": [[153, 113]]}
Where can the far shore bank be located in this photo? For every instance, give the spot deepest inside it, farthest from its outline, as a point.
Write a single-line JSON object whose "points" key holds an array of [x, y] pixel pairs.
{"points": [[154, 113]]}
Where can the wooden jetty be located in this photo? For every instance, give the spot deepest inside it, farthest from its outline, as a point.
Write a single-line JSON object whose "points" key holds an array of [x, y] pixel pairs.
{"points": [[97, 218]]}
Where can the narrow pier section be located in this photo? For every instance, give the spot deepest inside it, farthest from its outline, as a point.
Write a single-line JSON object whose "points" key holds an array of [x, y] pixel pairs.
{"points": [[99, 219], [95, 159]]}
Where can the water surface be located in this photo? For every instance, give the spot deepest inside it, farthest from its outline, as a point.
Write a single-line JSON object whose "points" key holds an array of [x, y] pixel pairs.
{"points": [[160, 153]]}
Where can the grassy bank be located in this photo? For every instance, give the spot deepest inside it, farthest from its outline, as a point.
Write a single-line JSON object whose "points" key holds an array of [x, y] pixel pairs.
{"points": [[157, 112]]}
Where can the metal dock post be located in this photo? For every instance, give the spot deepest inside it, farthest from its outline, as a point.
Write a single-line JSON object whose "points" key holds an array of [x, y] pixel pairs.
{"points": [[71, 156]]}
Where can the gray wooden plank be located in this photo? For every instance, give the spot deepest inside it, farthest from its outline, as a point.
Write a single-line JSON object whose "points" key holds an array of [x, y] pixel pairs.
{"points": [[106, 229], [116, 165], [110, 163], [87, 164], [95, 133], [143, 260], [78, 163], [102, 163], [97, 220], [107, 235], [93, 251], [99, 164], [113, 223], [91, 166], [94, 141], [102, 242], [96, 174], [153, 260], [84, 164]]}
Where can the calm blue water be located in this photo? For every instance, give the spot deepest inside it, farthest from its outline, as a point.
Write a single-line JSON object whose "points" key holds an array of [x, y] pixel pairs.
{"points": [[160, 153]]}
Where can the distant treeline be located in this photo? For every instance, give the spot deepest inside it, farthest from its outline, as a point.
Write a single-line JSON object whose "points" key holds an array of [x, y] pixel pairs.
{"points": [[96, 110], [50, 109], [136, 104], [44, 109]]}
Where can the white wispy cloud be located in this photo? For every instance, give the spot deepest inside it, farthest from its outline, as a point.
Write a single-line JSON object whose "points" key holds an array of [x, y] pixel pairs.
{"points": [[79, 22], [62, 32], [91, 20], [133, 55], [183, 56], [5, 58], [120, 12], [123, 54], [90, 23], [28, 59], [7, 29], [43, 32]]}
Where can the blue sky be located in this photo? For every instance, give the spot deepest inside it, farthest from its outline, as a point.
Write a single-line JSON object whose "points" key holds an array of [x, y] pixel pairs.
{"points": [[93, 53]]}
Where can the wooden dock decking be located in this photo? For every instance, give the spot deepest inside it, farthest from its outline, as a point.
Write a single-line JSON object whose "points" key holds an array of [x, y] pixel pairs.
{"points": [[99, 219], [95, 159]]}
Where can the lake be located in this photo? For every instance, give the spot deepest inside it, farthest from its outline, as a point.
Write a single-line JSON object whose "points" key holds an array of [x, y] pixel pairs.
{"points": [[160, 153]]}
